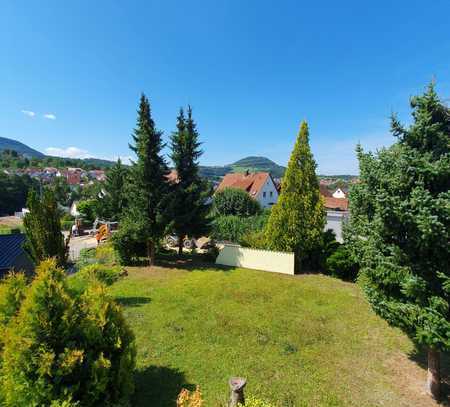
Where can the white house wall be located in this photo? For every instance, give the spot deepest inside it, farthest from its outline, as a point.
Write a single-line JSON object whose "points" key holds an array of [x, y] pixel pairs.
{"points": [[268, 194], [339, 194]]}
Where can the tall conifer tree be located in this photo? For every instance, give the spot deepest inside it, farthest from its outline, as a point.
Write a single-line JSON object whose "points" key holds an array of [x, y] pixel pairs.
{"points": [[297, 220], [148, 184], [114, 202], [399, 229], [188, 206]]}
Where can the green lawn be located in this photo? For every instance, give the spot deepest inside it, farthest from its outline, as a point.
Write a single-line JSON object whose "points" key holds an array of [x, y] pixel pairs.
{"points": [[300, 341]]}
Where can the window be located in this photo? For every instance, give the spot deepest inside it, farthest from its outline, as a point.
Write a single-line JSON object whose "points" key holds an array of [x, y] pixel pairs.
{"points": [[271, 194], [264, 194]]}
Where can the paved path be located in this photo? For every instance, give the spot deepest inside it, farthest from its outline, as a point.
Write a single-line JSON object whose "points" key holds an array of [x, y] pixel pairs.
{"points": [[78, 243]]}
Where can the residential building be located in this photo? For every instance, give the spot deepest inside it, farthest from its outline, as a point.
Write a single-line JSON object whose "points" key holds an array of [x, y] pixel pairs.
{"points": [[259, 185], [336, 206], [339, 194], [98, 175]]}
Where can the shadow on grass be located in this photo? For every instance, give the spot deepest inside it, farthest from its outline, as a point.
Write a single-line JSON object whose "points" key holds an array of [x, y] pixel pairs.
{"points": [[190, 262], [419, 356], [159, 386], [132, 301]]}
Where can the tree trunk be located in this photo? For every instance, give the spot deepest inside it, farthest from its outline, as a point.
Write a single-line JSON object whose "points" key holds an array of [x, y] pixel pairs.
{"points": [[151, 252], [434, 373], [180, 245]]}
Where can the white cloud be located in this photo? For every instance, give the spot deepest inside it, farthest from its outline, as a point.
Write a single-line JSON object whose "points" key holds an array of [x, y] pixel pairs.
{"points": [[28, 113], [69, 152], [50, 116]]}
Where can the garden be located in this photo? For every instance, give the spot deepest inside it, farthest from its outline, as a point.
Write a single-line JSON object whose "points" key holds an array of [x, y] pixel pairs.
{"points": [[298, 340]]}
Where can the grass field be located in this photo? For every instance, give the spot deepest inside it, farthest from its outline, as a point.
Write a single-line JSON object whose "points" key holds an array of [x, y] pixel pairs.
{"points": [[307, 340]]}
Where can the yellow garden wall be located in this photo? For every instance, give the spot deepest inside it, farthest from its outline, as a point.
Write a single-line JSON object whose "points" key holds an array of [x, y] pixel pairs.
{"points": [[237, 256]]}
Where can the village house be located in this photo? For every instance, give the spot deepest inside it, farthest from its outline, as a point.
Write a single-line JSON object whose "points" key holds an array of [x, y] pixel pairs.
{"points": [[259, 185], [98, 175], [336, 206], [73, 178], [336, 201], [339, 194]]}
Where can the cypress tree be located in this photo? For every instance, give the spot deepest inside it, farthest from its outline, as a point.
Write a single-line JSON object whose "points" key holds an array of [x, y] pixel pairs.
{"points": [[43, 228], [148, 185], [297, 220], [399, 229], [188, 204]]}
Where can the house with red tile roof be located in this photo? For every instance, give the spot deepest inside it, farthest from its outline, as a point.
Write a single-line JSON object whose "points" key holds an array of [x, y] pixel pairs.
{"points": [[336, 204], [259, 185]]}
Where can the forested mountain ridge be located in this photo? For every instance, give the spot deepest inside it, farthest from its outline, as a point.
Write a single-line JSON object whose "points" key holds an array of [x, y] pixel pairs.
{"points": [[23, 149], [251, 163]]}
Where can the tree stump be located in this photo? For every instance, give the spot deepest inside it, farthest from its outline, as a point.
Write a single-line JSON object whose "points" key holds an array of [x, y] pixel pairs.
{"points": [[237, 385]]}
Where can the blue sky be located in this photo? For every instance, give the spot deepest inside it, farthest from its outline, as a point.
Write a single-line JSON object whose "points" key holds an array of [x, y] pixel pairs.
{"points": [[252, 70]]}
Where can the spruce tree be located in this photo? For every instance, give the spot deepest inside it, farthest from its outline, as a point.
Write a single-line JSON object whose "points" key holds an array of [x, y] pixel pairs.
{"points": [[113, 204], [148, 186], [297, 220], [43, 228], [399, 229], [188, 203]]}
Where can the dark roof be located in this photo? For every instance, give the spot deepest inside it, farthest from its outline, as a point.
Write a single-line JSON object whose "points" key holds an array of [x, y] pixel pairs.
{"points": [[10, 249]]}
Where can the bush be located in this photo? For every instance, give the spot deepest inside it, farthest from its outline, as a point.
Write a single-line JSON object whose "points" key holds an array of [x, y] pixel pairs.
{"points": [[66, 225], [105, 254], [188, 398], [12, 293], [88, 209], [128, 243], [234, 228], [105, 274], [340, 264], [62, 349], [66, 216], [232, 201], [254, 239], [252, 401], [87, 256], [194, 398], [316, 259], [230, 228]]}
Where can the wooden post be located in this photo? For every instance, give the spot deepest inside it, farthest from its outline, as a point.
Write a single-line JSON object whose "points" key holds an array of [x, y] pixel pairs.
{"points": [[237, 385]]}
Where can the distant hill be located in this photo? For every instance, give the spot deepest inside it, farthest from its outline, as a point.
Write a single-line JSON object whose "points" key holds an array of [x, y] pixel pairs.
{"points": [[255, 164], [22, 149], [93, 162], [252, 164], [46, 160]]}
